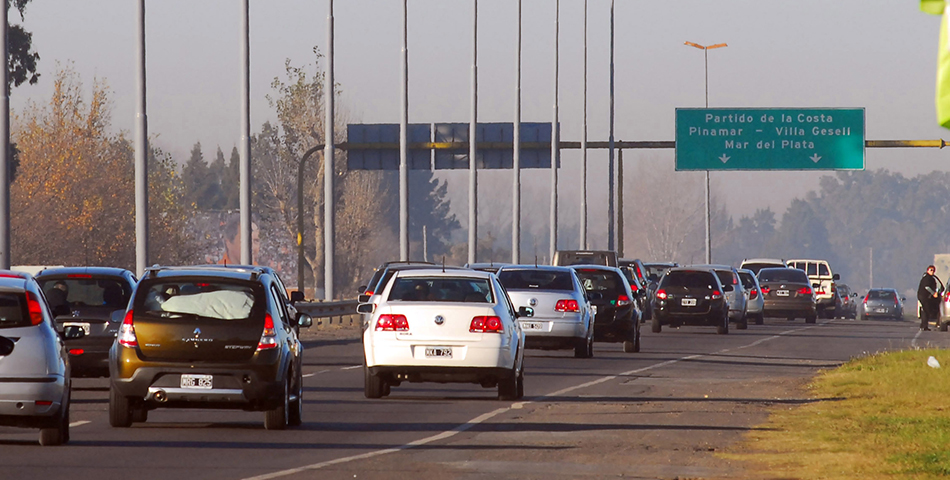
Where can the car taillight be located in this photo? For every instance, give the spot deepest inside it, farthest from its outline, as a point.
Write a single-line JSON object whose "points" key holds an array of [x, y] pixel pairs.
{"points": [[568, 305], [43, 403], [866, 298], [487, 325], [76, 351], [754, 293], [766, 290], [946, 296], [623, 301], [268, 336], [806, 291], [127, 332], [33, 305], [368, 292], [896, 302], [661, 294], [392, 323], [716, 295]]}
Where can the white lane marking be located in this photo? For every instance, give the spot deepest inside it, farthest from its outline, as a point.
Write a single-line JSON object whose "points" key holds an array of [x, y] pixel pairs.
{"points": [[308, 375], [81, 422], [488, 416], [351, 368], [913, 343]]}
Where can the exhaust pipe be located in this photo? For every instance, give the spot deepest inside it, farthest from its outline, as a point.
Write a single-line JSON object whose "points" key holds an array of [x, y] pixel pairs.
{"points": [[160, 396]]}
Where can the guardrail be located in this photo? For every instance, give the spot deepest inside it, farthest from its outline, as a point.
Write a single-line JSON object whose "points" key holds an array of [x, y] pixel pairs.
{"points": [[328, 309]]}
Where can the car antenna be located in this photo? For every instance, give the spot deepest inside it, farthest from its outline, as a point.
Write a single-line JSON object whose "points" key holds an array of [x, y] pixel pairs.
{"points": [[535, 261], [443, 263]]}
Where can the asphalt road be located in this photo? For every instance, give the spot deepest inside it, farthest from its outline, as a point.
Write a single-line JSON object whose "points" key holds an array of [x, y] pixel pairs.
{"points": [[660, 413]]}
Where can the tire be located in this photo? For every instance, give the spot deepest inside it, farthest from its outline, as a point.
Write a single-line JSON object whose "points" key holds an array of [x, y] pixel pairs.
{"points": [[636, 342], [278, 418], [723, 328], [943, 326], [120, 410], [631, 345], [57, 434], [508, 387], [759, 319], [295, 416], [585, 349], [655, 326], [373, 386], [139, 414], [743, 323], [811, 319], [519, 391]]}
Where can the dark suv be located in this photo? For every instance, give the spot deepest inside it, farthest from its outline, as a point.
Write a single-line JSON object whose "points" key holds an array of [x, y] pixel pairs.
{"points": [[208, 337], [691, 296], [93, 298], [618, 317]]}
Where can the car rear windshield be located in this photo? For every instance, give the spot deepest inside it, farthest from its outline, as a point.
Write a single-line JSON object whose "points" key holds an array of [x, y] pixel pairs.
{"points": [[586, 258], [726, 277], [88, 290], [654, 272], [13, 311], [755, 267], [748, 281], [689, 280], [442, 289], [609, 283], [782, 275], [214, 299], [881, 295], [536, 280]]}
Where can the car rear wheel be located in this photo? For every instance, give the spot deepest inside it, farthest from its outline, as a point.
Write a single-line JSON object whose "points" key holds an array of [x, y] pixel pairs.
{"points": [[631, 345], [584, 348], [723, 328], [743, 323], [373, 386], [57, 434], [943, 326], [656, 327], [276, 419], [120, 410], [508, 386], [811, 319], [759, 319], [295, 418], [139, 414]]}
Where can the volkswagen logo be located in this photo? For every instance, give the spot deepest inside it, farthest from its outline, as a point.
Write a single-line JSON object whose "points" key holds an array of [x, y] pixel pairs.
{"points": [[533, 302], [439, 319]]}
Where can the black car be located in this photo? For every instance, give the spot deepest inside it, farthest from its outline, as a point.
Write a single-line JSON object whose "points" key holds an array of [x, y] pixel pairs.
{"points": [[654, 271], [692, 297], [208, 337], [618, 317], [93, 298]]}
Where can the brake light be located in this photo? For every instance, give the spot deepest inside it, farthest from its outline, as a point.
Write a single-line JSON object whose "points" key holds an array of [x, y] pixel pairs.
{"points": [[268, 336], [754, 293], [946, 296], [368, 293], [716, 295], [568, 305], [127, 332], [806, 291], [33, 305], [661, 294], [634, 287], [623, 301], [487, 325], [866, 298], [392, 323], [11, 275], [766, 290], [79, 275], [896, 302], [76, 351]]}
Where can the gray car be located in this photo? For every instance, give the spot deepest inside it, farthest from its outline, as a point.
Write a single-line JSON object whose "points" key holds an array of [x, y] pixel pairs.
{"points": [[562, 314], [34, 365], [883, 303], [755, 302]]}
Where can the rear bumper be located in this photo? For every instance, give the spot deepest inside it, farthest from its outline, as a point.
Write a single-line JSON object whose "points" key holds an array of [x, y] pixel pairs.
{"points": [[553, 329], [18, 397], [706, 318], [488, 353], [487, 376], [789, 308]]}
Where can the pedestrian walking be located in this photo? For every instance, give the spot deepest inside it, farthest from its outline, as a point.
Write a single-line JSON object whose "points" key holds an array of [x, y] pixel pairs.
{"points": [[928, 294]]}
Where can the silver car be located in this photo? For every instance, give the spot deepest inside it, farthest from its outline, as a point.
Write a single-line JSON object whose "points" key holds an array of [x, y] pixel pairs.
{"points": [[562, 314], [734, 293], [34, 365], [755, 302]]}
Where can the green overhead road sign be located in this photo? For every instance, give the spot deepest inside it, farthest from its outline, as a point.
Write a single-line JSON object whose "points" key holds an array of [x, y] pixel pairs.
{"points": [[769, 139]]}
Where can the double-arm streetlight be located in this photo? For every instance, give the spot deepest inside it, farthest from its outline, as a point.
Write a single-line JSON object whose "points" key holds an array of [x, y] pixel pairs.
{"points": [[705, 49]]}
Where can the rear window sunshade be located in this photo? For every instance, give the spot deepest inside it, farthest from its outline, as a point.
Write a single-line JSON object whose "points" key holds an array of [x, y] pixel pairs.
{"points": [[12, 311], [208, 299], [442, 289]]}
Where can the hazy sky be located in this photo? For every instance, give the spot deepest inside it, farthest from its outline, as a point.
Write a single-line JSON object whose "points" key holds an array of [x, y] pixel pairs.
{"points": [[876, 54]]}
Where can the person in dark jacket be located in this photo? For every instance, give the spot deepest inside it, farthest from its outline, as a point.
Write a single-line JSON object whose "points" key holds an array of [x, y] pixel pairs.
{"points": [[929, 296]]}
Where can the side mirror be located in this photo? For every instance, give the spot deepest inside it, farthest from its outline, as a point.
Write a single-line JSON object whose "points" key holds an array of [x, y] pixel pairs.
{"points": [[361, 289], [903, 299], [363, 298], [296, 296], [73, 332], [836, 277], [728, 288], [854, 294], [304, 320], [525, 312], [366, 308]]}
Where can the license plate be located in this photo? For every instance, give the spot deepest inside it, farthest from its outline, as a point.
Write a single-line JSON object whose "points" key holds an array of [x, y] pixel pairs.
{"points": [[83, 325], [534, 326], [782, 293], [196, 381], [438, 352], [881, 310], [688, 302]]}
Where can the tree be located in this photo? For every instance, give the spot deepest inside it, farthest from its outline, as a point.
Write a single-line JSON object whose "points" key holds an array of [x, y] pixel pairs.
{"points": [[73, 199], [22, 58]]}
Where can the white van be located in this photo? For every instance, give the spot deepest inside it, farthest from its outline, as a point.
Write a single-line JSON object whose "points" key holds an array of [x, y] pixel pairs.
{"points": [[822, 280]]}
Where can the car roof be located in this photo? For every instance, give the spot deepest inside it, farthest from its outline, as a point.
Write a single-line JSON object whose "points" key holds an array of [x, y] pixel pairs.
{"points": [[241, 273], [595, 267], [764, 260], [714, 267], [447, 272], [63, 271], [14, 280], [547, 268]]}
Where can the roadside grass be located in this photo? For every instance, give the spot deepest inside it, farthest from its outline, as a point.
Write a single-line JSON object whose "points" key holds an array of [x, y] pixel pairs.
{"points": [[883, 416]]}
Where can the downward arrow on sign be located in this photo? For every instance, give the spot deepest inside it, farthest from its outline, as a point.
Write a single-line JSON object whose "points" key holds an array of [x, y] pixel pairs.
{"points": [[815, 158], [724, 158]]}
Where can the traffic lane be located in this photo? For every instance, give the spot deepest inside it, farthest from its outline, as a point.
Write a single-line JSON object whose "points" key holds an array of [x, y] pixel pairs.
{"points": [[663, 420]]}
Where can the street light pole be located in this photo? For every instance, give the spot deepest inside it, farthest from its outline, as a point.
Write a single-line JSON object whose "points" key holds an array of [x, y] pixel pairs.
{"points": [[705, 49]]}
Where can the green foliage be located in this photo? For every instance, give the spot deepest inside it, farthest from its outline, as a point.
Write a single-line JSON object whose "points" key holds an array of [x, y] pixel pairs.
{"points": [[22, 58]]}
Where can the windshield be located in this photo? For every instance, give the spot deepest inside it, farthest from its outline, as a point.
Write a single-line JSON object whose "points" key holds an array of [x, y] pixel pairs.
{"points": [[86, 290], [881, 295], [210, 299], [782, 275], [12, 311], [442, 289], [608, 283], [748, 281], [689, 280], [536, 280]]}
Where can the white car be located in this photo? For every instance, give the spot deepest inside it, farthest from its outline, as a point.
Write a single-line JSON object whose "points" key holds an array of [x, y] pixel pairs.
{"points": [[435, 325], [562, 316]]}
